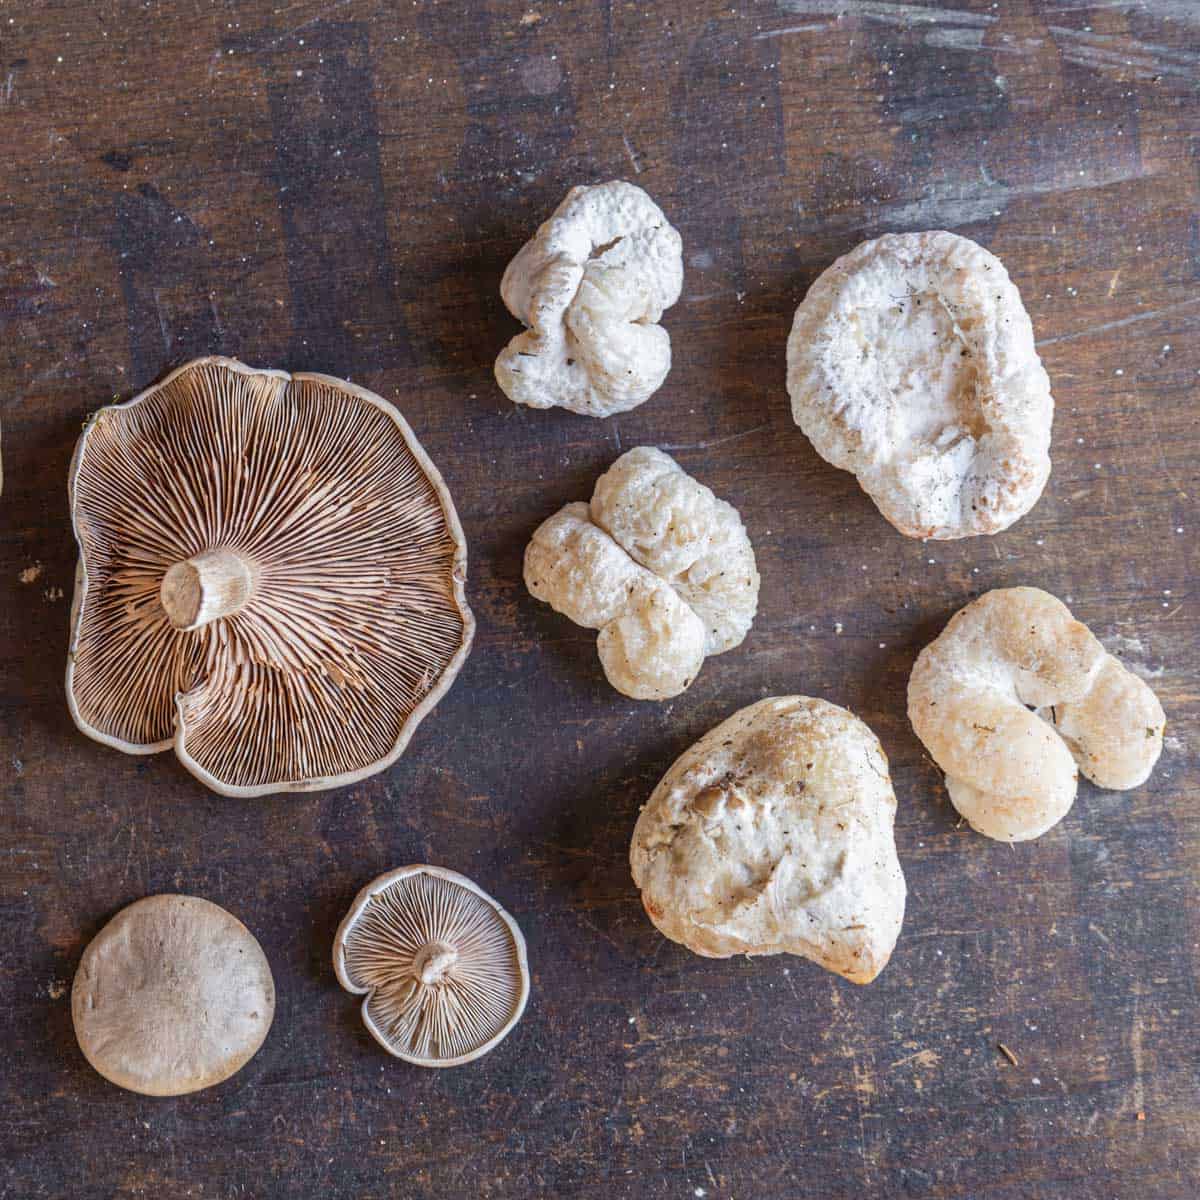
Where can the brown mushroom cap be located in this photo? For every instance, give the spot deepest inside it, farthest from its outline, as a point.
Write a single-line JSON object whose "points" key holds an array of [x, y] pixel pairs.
{"points": [[270, 578], [443, 966], [173, 995]]}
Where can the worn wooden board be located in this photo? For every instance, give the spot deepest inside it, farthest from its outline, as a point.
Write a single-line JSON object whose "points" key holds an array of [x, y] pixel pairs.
{"points": [[337, 186]]}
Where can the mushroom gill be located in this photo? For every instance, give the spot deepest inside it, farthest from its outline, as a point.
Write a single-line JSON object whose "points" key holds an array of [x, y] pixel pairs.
{"points": [[442, 964], [271, 577]]}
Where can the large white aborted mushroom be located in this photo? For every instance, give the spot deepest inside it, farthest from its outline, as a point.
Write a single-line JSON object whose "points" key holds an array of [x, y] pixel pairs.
{"points": [[774, 834], [173, 995], [591, 285], [912, 364], [658, 564], [442, 965], [270, 579], [1014, 698]]}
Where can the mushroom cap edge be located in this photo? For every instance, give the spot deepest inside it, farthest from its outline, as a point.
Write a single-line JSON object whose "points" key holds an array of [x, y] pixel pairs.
{"points": [[458, 576], [380, 884]]}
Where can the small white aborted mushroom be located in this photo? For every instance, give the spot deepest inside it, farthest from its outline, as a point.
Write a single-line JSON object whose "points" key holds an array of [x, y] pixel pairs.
{"points": [[173, 995], [591, 285], [270, 579], [442, 965], [912, 364], [660, 566], [774, 834], [1015, 697]]}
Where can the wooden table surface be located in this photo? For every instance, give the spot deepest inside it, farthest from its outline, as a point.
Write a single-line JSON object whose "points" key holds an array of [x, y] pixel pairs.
{"points": [[337, 186]]}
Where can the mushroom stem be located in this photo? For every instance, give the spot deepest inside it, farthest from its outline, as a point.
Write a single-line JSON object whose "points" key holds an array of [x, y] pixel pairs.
{"points": [[433, 962], [211, 585]]}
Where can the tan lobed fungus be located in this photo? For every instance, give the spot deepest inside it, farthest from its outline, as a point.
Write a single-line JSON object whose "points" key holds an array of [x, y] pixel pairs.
{"points": [[591, 285], [660, 566], [270, 579], [911, 363], [442, 965], [1014, 695], [774, 834], [173, 995]]}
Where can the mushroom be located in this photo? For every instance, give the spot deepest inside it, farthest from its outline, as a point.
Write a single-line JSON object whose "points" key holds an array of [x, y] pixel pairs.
{"points": [[912, 363], [1014, 698], [774, 834], [270, 579], [442, 965], [173, 995], [657, 563], [591, 285]]}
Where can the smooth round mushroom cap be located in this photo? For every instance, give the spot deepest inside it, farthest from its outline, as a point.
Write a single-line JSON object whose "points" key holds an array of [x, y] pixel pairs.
{"points": [[1015, 697], [443, 966], [912, 363], [173, 995], [774, 834], [270, 578]]}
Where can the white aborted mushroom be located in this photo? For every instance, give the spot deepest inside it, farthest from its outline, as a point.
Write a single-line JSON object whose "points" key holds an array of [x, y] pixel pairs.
{"points": [[773, 834], [658, 564], [1014, 698], [591, 285], [442, 965], [173, 995], [912, 363], [270, 579]]}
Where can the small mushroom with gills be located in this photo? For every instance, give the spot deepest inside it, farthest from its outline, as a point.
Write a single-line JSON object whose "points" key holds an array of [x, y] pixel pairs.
{"points": [[173, 995], [442, 965]]}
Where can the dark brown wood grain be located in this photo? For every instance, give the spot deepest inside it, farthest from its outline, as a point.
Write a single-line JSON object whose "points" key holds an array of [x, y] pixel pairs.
{"points": [[337, 186]]}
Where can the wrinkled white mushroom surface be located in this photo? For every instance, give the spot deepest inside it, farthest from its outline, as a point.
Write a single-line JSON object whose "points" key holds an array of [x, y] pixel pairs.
{"points": [[911, 363], [591, 285], [774, 834], [658, 564], [1014, 698]]}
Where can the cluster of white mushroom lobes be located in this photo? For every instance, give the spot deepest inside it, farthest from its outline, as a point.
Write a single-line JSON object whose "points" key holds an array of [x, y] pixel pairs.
{"points": [[270, 579], [1014, 698], [591, 286], [661, 567], [173, 995], [911, 363], [774, 834], [442, 966]]}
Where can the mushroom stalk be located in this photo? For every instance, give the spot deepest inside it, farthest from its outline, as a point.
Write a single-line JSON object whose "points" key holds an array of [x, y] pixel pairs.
{"points": [[205, 588], [434, 961]]}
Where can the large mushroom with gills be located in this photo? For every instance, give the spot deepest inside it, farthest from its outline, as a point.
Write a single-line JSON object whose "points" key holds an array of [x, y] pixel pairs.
{"points": [[271, 579], [441, 965]]}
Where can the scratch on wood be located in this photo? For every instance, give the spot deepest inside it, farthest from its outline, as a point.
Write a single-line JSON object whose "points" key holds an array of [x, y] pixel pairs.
{"points": [[633, 160], [920, 1058], [733, 437], [1108, 325], [883, 10], [1135, 1050], [1140, 59]]}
